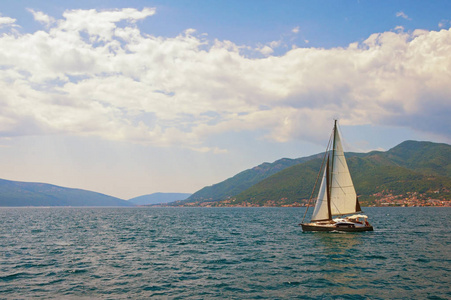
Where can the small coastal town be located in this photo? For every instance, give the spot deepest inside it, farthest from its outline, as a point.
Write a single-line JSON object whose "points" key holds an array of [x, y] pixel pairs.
{"points": [[440, 198], [413, 199]]}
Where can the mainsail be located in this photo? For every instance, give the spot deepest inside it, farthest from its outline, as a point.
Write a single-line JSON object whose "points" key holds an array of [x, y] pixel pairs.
{"points": [[336, 195]]}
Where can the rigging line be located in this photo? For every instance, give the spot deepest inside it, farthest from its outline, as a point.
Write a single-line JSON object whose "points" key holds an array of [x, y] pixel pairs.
{"points": [[317, 177]]}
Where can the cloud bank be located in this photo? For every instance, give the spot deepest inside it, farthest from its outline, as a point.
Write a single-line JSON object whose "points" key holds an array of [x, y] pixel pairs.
{"points": [[95, 73]]}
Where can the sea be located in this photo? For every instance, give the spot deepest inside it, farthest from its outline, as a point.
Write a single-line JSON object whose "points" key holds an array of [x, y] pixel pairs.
{"points": [[220, 253]]}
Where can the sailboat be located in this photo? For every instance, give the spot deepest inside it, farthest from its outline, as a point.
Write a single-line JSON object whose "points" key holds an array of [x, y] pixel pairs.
{"points": [[337, 205]]}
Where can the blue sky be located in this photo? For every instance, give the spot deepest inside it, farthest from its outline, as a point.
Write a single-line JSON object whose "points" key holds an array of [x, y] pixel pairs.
{"points": [[133, 97]]}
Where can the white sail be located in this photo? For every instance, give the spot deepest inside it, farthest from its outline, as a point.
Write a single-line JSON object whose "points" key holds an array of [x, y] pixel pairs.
{"points": [[343, 196], [321, 211]]}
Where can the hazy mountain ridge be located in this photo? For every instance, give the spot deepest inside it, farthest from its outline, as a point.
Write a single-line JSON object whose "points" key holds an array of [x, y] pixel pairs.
{"points": [[16, 193], [158, 198]]}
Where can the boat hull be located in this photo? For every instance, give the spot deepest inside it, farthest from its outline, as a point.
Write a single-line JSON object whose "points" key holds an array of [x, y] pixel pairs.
{"points": [[347, 228]]}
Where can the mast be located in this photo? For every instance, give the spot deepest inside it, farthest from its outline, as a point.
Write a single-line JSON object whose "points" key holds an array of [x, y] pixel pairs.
{"points": [[328, 185], [331, 172], [333, 149]]}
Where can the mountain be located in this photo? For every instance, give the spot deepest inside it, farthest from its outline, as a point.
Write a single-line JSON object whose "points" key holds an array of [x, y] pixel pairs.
{"points": [[424, 157], [158, 198], [410, 167], [15, 193], [244, 180], [407, 168]]}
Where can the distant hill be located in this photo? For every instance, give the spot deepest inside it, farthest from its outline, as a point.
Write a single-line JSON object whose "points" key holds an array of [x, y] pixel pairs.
{"points": [[409, 167], [15, 193], [158, 198], [425, 157], [244, 180]]}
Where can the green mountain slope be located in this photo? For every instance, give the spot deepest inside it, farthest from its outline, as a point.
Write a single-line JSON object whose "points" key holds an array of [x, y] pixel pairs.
{"points": [[371, 178], [288, 186], [15, 193], [408, 167], [244, 180], [424, 157]]}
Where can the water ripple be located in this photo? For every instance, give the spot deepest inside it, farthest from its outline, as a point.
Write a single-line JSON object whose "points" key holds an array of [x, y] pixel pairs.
{"points": [[236, 253]]}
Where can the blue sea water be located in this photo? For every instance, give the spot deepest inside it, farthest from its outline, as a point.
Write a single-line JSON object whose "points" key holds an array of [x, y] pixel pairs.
{"points": [[220, 253]]}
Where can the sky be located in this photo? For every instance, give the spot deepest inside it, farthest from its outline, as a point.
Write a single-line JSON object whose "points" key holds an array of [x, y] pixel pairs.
{"points": [[129, 98]]}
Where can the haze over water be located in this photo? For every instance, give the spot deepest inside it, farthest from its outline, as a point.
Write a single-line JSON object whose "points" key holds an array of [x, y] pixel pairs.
{"points": [[222, 253]]}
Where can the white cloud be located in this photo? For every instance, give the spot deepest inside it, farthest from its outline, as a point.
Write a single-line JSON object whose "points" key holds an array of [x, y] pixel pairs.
{"points": [[89, 76], [266, 50], [275, 44], [401, 14], [101, 25], [7, 21], [295, 30], [42, 17]]}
